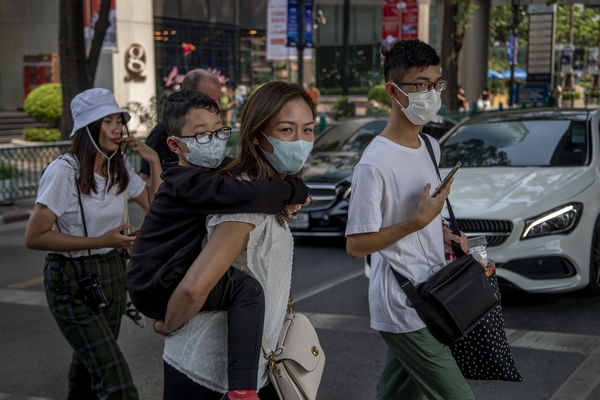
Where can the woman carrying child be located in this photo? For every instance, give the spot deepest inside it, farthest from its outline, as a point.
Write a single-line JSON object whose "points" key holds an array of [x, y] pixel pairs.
{"points": [[276, 138]]}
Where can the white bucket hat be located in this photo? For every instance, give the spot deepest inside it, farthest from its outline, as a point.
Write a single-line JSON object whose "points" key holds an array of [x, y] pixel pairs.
{"points": [[93, 104]]}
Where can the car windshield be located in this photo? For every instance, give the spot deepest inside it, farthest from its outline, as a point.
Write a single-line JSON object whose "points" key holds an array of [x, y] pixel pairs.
{"points": [[517, 143], [355, 136]]}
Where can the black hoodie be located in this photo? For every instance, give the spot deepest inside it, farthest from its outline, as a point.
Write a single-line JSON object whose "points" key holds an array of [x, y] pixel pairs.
{"points": [[171, 235]]}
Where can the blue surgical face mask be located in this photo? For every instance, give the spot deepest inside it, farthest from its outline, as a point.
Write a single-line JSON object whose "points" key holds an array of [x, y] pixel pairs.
{"points": [[208, 155], [287, 157]]}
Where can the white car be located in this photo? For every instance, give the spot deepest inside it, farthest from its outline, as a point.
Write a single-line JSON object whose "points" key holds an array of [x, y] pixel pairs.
{"points": [[530, 182]]}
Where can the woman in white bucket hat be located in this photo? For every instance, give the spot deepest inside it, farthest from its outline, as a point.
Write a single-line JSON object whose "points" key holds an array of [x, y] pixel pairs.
{"points": [[77, 218]]}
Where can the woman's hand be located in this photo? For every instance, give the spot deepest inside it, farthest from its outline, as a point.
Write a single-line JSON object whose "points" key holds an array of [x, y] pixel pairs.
{"points": [[115, 239], [159, 328], [450, 237], [145, 151]]}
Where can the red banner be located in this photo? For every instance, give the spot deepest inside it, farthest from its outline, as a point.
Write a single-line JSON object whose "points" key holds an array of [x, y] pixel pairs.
{"points": [[38, 70], [410, 19], [91, 13], [390, 22]]}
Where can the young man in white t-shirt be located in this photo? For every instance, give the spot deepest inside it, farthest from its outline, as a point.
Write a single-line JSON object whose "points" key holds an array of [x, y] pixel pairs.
{"points": [[393, 216]]}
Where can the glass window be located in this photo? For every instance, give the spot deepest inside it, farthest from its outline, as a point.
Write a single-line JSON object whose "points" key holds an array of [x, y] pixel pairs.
{"points": [[215, 48], [517, 143]]}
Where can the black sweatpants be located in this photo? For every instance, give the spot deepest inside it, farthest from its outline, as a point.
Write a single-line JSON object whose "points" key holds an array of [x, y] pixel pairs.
{"points": [[243, 298]]}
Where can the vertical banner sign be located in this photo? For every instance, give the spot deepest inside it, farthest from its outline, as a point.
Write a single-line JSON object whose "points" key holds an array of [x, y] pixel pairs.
{"points": [[91, 13], [513, 49], [292, 23], [540, 51], [566, 59], [592, 62], [390, 22], [277, 31], [308, 23], [410, 19]]}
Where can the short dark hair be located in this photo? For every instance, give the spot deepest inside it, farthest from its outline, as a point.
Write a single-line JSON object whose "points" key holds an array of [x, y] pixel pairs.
{"points": [[178, 104], [407, 54]]}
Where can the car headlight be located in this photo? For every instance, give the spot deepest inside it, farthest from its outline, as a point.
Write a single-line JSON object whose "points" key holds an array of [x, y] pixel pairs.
{"points": [[344, 190], [560, 220], [347, 193]]}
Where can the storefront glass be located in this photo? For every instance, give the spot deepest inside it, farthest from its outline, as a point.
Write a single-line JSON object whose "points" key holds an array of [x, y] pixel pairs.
{"points": [[212, 46]]}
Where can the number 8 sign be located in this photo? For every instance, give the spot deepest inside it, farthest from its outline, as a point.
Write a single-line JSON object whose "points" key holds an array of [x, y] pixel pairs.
{"points": [[135, 59]]}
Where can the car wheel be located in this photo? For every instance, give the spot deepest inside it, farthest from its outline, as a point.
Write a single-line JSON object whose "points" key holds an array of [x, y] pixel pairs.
{"points": [[594, 285]]}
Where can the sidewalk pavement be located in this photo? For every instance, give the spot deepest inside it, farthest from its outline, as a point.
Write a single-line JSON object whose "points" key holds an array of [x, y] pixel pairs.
{"points": [[17, 210]]}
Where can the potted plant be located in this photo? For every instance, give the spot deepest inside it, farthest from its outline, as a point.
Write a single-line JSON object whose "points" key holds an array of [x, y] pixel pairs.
{"points": [[44, 103]]}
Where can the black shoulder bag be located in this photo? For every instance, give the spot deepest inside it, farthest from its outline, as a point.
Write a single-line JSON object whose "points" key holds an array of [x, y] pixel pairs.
{"points": [[456, 298]]}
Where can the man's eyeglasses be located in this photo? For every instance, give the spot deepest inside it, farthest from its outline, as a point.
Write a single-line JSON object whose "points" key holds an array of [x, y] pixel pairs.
{"points": [[424, 87], [206, 136]]}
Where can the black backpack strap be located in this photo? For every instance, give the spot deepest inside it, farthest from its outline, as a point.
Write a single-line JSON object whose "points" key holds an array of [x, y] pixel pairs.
{"points": [[455, 228]]}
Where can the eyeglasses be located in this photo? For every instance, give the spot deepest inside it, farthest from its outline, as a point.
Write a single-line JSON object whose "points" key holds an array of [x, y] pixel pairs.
{"points": [[424, 87], [206, 136]]}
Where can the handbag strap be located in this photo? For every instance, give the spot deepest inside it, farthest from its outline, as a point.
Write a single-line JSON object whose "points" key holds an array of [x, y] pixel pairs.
{"points": [[408, 288], [78, 269], [458, 251], [268, 352], [405, 284]]}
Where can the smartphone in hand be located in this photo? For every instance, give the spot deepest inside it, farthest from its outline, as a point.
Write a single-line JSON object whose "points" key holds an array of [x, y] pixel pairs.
{"points": [[134, 233], [446, 179]]}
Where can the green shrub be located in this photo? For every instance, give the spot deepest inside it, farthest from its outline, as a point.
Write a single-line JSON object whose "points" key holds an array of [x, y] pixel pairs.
{"points": [[568, 95], [378, 93], [41, 134], [8, 172], [498, 86], [44, 103], [343, 108]]}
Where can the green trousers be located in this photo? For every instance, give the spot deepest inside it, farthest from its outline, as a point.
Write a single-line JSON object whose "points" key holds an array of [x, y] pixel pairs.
{"points": [[98, 368], [418, 364]]}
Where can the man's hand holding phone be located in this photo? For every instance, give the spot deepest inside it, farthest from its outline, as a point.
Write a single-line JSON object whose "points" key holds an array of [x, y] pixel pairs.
{"points": [[447, 180]]}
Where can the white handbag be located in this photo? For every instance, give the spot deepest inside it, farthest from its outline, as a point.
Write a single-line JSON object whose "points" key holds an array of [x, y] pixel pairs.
{"points": [[296, 365]]}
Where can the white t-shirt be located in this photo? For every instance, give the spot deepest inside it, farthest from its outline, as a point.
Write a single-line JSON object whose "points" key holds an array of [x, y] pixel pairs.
{"points": [[387, 186], [199, 348], [103, 212]]}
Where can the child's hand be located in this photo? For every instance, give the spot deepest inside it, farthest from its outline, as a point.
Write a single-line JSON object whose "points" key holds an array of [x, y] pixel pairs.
{"points": [[291, 209]]}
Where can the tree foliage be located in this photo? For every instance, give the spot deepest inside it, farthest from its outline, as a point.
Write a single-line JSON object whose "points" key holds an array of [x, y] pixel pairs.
{"points": [[585, 27], [501, 19]]}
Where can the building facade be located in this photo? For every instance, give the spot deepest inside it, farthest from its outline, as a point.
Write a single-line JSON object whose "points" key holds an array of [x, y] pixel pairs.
{"points": [[227, 36]]}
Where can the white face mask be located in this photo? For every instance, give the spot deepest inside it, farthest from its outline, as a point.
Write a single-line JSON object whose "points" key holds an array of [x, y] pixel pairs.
{"points": [[422, 106], [209, 155]]}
